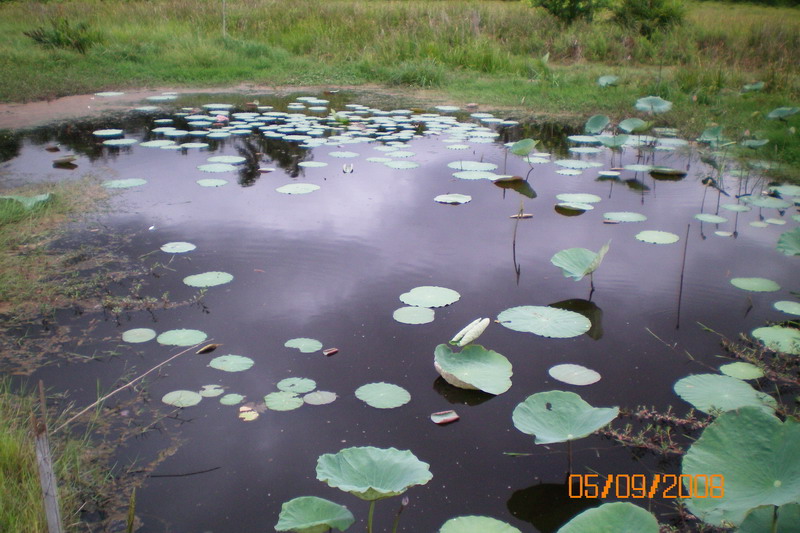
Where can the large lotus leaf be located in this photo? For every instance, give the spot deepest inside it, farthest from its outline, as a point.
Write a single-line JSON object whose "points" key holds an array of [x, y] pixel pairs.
{"points": [[712, 392], [633, 125], [779, 338], [617, 517], [559, 416], [309, 514], [653, 104], [760, 519], [576, 263], [231, 363], [476, 366], [767, 202], [523, 147], [372, 473], [545, 321], [429, 296], [596, 124], [756, 455], [383, 395], [476, 524], [789, 242], [574, 374]]}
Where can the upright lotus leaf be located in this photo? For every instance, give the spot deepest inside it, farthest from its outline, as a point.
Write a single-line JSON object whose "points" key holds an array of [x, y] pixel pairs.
{"points": [[429, 296], [476, 524], [29, 202], [653, 105], [616, 517], [613, 141], [523, 147], [560, 416], [372, 473], [781, 113], [576, 263], [474, 367], [789, 242], [309, 514], [752, 87], [712, 392], [786, 518], [596, 124], [607, 80], [545, 321], [756, 455], [779, 338], [634, 125]]}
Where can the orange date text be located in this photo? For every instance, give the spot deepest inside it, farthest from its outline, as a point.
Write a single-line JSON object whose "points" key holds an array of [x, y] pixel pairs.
{"points": [[641, 486]]}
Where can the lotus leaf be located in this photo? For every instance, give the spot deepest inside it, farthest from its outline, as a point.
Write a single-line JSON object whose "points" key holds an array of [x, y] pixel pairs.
{"points": [[189, 145], [582, 198], [779, 339], [792, 308], [217, 167], [588, 139], [789, 242], [211, 391], [786, 190], [208, 279], [230, 159], [585, 149], [607, 80], [401, 165], [783, 112], [107, 133], [297, 188], [475, 175], [653, 105], [178, 247], [759, 224], [231, 363], [231, 399], [319, 397], [29, 202], [560, 416], [523, 147], [474, 367], [454, 199], [383, 395], [139, 335], [312, 164], [754, 143], [613, 141], [638, 168], [283, 401], [574, 206], [711, 219], [616, 517], [633, 125], [181, 337], [309, 514], [305, 345], [750, 87], [430, 296], [596, 124], [576, 263], [372, 473], [343, 155], [776, 221], [157, 143], [657, 237], [569, 172], [212, 182], [624, 216], [786, 519], [574, 374], [545, 321], [297, 385], [476, 524], [767, 202], [472, 165], [124, 183], [576, 164], [181, 398], [740, 370], [712, 392], [413, 315], [756, 454], [755, 284]]}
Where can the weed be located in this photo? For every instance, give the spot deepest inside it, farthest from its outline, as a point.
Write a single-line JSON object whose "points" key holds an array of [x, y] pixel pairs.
{"points": [[61, 33]]}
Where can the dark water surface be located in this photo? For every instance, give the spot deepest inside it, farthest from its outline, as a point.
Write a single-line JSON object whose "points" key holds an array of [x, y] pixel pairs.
{"points": [[331, 265]]}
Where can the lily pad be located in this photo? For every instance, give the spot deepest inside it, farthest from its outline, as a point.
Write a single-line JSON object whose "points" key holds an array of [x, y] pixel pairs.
{"points": [[413, 315], [231, 363], [712, 392], [476, 524], [177, 247], [475, 175], [372, 473], [231, 399], [545, 321], [560, 416], [792, 308], [230, 159], [767, 202], [616, 517], [297, 188], [633, 125], [211, 391], [576, 164], [320, 397], [607, 80], [741, 370], [181, 398], [343, 155], [576, 263], [755, 284], [653, 105], [312, 164], [638, 168], [582, 198], [472, 165], [283, 401], [624, 216], [789, 242], [779, 339], [108, 133], [139, 335], [383, 395], [474, 367], [304, 344], [124, 183], [430, 296], [574, 374], [208, 279], [454, 198], [309, 514], [211, 182], [181, 337], [217, 167], [657, 237], [712, 219], [297, 385], [756, 455]]}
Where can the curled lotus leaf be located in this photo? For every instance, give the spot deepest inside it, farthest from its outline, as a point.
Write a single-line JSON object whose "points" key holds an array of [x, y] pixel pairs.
{"points": [[310, 514], [474, 367]]}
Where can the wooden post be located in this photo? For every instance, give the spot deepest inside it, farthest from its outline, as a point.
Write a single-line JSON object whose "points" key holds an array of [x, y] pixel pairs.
{"points": [[44, 460]]}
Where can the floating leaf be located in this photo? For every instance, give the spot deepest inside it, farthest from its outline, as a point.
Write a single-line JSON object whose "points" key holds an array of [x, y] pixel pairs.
{"points": [[522, 148], [767, 202], [413, 315], [613, 141], [712, 219], [139, 335], [755, 284], [576, 164], [638, 168], [297, 385], [607, 80], [372, 473], [181, 337], [474, 367], [230, 159], [624, 216], [545, 321], [476, 524], [383, 395], [401, 165], [312, 164], [208, 279], [657, 237], [475, 175], [181, 398], [560, 416], [453, 199], [248, 413], [231, 363], [309, 514], [303, 344], [282, 401], [217, 167], [211, 182], [297, 188], [124, 184], [712, 392], [596, 124], [444, 417], [178, 247], [319, 397], [211, 391], [231, 399], [740, 370], [756, 455], [789, 242], [786, 190], [472, 331], [616, 517], [779, 339], [472, 165], [429, 296], [107, 133], [582, 198], [574, 374], [573, 207], [653, 105], [793, 308]]}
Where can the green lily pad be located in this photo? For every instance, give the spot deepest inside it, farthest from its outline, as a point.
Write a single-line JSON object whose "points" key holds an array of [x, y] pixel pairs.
{"points": [[741, 370], [124, 184], [217, 167], [211, 391], [413, 315], [761, 519], [178, 247], [139, 335], [181, 337], [475, 175], [657, 237], [789, 242], [653, 105], [212, 182], [712, 392], [755, 284], [231, 399], [208, 279], [230, 159], [476, 524], [613, 141], [304, 344], [560, 416], [580, 198], [712, 219], [756, 455], [231, 363], [616, 517], [297, 385], [779, 339], [309, 514], [545, 321], [767, 202], [372, 473], [574, 374], [576, 164], [472, 165], [320, 397], [108, 133], [312, 164], [786, 190], [624, 216], [474, 367], [638, 168], [181, 398], [430, 296], [157, 143], [792, 308], [383, 395], [576, 263], [283, 401], [297, 188], [454, 198]]}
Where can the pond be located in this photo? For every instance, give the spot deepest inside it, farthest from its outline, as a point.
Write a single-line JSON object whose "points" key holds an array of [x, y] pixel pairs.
{"points": [[321, 226]]}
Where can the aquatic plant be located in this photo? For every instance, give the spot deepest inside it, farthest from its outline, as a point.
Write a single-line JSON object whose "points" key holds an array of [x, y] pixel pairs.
{"points": [[474, 367], [309, 514]]}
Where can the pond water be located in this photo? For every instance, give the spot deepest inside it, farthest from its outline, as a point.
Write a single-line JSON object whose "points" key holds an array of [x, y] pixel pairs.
{"points": [[332, 264]]}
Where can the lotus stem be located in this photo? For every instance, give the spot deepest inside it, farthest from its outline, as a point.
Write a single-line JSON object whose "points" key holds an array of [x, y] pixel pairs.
{"points": [[369, 517], [683, 269], [774, 519], [403, 505], [569, 458]]}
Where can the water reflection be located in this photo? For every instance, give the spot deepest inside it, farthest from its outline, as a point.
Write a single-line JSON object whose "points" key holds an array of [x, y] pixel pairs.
{"points": [[456, 395], [588, 309], [548, 506]]}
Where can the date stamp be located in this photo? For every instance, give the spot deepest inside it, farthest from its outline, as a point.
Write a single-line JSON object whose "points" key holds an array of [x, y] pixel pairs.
{"points": [[641, 486]]}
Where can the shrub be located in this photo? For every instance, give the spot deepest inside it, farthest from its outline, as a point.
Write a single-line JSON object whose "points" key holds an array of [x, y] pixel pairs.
{"points": [[649, 16], [568, 11], [63, 34]]}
